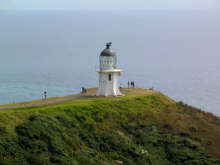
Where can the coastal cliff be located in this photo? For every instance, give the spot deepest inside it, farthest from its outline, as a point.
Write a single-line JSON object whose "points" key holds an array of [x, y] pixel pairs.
{"points": [[143, 127]]}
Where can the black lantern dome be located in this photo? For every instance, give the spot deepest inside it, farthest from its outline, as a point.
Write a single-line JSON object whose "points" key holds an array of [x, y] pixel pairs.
{"points": [[107, 51]]}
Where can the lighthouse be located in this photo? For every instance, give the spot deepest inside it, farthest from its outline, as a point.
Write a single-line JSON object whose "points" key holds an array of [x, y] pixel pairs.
{"points": [[108, 73]]}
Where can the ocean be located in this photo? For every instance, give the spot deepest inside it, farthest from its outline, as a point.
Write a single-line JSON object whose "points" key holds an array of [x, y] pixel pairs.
{"points": [[175, 52]]}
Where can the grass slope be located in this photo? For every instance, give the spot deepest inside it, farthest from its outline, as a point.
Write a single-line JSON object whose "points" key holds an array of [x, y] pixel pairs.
{"points": [[144, 127]]}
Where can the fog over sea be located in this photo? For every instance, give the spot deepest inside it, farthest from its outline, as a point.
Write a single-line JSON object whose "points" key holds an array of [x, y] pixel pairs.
{"points": [[176, 52]]}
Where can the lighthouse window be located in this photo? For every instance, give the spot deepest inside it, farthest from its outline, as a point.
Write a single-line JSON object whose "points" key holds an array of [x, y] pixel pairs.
{"points": [[109, 77]]}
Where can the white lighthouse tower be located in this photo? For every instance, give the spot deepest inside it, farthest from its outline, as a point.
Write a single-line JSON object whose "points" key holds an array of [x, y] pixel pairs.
{"points": [[108, 73]]}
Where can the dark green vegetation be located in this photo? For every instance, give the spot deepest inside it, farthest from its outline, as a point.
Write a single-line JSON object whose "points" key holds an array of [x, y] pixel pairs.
{"points": [[137, 129]]}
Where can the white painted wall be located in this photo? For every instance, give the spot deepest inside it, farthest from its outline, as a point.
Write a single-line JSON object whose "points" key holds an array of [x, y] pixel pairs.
{"points": [[108, 67]]}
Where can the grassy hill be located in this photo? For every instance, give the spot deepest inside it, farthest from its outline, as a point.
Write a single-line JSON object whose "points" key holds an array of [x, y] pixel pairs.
{"points": [[144, 127]]}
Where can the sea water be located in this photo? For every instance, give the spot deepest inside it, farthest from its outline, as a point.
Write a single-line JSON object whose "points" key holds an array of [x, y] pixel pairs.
{"points": [[175, 52]]}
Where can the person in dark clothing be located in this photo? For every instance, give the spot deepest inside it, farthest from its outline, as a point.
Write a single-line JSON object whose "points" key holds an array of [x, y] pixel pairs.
{"points": [[82, 90], [131, 84], [128, 84], [45, 95]]}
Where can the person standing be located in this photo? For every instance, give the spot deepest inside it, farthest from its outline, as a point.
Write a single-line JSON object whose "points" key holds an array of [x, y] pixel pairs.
{"points": [[128, 84], [45, 95], [131, 84]]}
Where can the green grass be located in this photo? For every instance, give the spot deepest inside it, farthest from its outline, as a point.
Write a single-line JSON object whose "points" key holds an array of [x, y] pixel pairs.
{"points": [[144, 127]]}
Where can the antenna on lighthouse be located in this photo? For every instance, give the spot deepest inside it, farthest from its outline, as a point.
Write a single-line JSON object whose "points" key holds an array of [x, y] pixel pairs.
{"points": [[108, 45]]}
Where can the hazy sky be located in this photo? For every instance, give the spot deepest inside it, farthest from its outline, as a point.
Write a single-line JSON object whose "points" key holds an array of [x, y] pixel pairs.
{"points": [[107, 4]]}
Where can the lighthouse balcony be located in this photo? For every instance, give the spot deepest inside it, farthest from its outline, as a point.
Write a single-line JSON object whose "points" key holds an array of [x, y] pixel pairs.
{"points": [[117, 70]]}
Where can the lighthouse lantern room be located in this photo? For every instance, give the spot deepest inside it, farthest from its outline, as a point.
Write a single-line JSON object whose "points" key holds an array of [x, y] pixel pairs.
{"points": [[108, 73]]}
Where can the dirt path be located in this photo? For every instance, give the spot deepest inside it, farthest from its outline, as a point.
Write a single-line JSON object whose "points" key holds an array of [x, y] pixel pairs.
{"points": [[49, 101]]}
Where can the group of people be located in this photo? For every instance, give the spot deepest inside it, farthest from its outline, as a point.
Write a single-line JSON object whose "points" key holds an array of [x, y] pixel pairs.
{"points": [[84, 90], [131, 84]]}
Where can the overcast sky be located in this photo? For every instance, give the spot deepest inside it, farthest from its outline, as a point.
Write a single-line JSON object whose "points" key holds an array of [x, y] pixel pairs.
{"points": [[106, 4]]}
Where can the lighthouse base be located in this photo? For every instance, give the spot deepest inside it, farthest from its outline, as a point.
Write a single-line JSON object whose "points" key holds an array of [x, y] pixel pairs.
{"points": [[109, 94], [108, 85]]}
